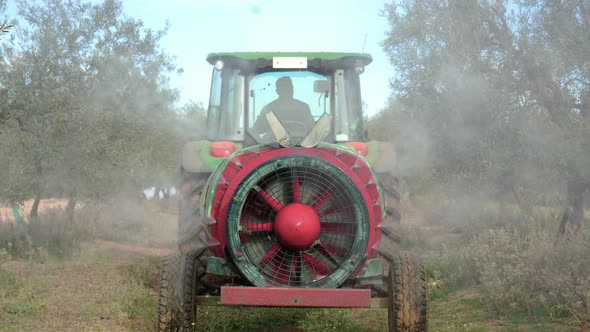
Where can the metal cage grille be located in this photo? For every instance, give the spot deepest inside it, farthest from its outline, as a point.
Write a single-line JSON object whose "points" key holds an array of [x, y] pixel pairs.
{"points": [[308, 186]]}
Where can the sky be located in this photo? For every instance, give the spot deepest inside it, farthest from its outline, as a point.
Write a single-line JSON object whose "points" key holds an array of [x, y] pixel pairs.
{"points": [[200, 27]]}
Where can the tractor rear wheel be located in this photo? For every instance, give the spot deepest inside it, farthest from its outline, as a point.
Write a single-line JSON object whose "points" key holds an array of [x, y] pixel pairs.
{"points": [[408, 309], [191, 230], [390, 228], [389, 244], [189, 214], [177, 310]]}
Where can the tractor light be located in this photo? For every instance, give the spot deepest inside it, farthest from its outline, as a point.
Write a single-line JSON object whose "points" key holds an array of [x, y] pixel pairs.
{"points": [[360, 147], [222, 149], [218, 65], [359, 69]]}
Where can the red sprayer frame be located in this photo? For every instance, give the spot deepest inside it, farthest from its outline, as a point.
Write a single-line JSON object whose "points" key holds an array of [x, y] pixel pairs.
{"points": [[294, 297]]}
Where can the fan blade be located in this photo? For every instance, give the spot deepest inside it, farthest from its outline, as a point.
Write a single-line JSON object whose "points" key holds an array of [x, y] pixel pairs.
{"points": [[280, 267], [337, 209], [265, 227], [328, 251], [276, 205], [269, 254], [318, 267], [320, 201], [296, 268], [296, 190], [335, 226]]}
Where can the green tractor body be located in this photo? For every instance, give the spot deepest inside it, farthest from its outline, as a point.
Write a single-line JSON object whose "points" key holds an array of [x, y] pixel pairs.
{"points": [[287, 196], [242, 83]]}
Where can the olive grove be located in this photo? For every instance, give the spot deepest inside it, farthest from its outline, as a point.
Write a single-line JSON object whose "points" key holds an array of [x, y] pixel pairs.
{"points": [[86, 111], [492, 98]]}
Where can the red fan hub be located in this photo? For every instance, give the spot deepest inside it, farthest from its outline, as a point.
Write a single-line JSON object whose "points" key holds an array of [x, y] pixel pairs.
{"points": [[297, 226]]}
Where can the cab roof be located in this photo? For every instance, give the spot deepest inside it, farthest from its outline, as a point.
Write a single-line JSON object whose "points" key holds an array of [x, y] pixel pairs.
{"points": [[260, 60]]}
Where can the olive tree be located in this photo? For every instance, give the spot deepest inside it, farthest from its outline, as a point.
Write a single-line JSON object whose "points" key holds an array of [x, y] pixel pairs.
{"points": [[87, 85], [499, 92]]}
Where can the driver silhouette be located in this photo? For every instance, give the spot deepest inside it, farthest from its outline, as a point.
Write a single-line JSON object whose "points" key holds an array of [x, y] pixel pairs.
{"points": [[293, 114]]}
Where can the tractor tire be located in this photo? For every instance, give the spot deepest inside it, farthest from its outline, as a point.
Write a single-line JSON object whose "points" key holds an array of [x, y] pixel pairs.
{"points": [[389, 244], [189, 211], [390, 187], [177, 309], [408, 308], [192, 237]]}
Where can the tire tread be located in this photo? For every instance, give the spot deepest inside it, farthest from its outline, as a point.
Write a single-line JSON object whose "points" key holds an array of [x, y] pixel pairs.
{"points": [[408, 309]]}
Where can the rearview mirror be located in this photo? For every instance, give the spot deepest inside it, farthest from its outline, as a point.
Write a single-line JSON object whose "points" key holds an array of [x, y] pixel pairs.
{"points": [[321, 86]]}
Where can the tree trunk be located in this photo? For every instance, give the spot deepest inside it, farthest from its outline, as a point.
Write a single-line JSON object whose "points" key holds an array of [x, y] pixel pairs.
{"points": [[70, 209], [34, 213], [525, 208], [573, 212]]}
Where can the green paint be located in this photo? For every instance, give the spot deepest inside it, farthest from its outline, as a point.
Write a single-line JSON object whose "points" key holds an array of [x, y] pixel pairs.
{"points": [[208, 197], [372, 268], [374, 153], [364, 57], [218, 266], [210, 161]]}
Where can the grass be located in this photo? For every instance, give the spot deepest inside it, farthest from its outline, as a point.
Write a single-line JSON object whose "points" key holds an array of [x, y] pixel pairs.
{"points": [[124, 297], [465, 311], [19, 302], [290, 319], [246, 319], [139, 304], [89, 291], [456, 311], [115, 288]]}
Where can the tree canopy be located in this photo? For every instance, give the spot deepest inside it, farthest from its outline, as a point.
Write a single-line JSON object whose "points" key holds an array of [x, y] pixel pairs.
{"points": [[492, 96], [85, 106]]}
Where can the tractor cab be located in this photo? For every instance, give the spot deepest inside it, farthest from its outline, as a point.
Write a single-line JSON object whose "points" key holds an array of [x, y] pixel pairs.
{"points": [[286, 203], [298, 88]]}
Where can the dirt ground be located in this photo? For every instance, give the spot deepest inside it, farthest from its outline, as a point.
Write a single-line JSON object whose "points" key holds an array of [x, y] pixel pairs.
{"points": [[95, 291], [111, 285], [104, 285]]}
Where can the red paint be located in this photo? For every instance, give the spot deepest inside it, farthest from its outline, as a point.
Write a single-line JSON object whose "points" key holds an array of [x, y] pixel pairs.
{"points": [[296, 297], [270, 254], [271, 200], [243, 164], [297, 226], [339, 228], [360, 147], [315, 266], [265, 227], [222, 149], [297, 267], [296, 191], [328, 250]]}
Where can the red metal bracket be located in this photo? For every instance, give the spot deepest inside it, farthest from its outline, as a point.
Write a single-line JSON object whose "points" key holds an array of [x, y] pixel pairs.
{"points": [[296, 297]]}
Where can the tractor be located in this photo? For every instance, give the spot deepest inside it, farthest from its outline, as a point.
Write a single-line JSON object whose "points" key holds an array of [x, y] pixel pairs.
{"points": [[286, 202]]}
